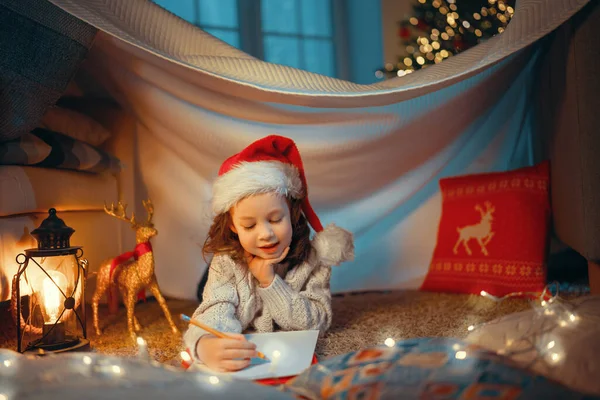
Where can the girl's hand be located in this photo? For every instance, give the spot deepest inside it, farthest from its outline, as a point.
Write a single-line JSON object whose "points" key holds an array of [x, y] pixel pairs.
{"points": [[262, 269], [225, 355]]}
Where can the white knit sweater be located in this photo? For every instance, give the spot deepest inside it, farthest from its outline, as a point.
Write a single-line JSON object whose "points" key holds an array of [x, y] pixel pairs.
{"points": [[297, 299]]}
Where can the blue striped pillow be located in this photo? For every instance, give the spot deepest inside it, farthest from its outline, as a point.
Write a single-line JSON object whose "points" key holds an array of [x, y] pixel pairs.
{"points": [[45, 148]]}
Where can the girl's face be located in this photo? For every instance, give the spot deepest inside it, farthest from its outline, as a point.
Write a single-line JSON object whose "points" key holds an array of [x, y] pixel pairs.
{"points": [[263, 225]]}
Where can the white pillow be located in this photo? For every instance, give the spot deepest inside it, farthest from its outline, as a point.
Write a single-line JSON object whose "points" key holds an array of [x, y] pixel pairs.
{"points": [[75, 124], [567, 351]]}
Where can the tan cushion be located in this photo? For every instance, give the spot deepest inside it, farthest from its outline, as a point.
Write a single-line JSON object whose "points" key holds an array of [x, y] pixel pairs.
{"points": [[76, 125], [29, 189]]}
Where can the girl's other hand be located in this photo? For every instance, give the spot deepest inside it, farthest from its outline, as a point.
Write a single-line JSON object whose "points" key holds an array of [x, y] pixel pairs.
{"points": [[225, 354], [262, 269]]}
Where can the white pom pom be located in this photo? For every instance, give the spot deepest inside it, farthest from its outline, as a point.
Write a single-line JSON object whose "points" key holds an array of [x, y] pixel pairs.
{"points": [[334, 245]]}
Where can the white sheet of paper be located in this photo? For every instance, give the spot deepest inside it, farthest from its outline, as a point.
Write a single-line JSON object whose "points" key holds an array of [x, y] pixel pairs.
{"points": [[295, 351]]}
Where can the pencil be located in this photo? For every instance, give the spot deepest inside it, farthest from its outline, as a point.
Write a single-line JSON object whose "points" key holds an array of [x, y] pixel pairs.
{"points": [[214, 332]]}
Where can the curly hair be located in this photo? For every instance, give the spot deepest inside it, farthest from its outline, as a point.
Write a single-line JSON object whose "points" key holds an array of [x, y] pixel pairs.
{"points": [[221, 239]]}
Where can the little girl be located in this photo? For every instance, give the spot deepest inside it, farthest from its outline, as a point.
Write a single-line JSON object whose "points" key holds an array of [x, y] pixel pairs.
{"points": [[266, 272]]}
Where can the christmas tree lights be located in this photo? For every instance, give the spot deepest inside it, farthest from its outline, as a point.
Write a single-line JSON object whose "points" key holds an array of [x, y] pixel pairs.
{"points": [[440, 29]]}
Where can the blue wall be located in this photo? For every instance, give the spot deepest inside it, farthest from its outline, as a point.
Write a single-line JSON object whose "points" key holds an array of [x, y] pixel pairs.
{"points": [[365, 41], [362, 36]]}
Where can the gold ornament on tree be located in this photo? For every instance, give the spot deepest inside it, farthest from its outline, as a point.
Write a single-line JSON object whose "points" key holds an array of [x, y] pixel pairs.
{"points": [[132, 277]]}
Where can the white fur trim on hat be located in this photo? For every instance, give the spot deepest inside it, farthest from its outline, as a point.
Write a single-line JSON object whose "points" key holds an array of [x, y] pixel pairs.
{"points": [[334, 245], [248, 178]]}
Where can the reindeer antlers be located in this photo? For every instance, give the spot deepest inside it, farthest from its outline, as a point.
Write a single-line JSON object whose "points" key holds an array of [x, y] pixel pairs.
{"points": [[149, 209], [488, 208], [120, 212]]}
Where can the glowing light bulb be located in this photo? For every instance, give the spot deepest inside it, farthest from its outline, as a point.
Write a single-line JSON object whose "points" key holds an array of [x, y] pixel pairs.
{"points": [[551, 344], [54, 286], [214, 380], [389, 342], [470, 328], [185, 356], [116, 369], [143, 353], [87, 360], [461, 355], [276, 354]]}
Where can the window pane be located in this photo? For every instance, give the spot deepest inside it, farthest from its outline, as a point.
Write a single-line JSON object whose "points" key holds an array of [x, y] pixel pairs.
{"points": [[279, 16], [316, 17], [282, 50], [182, 8], [231, 37], [222, 13], [318, 56]]}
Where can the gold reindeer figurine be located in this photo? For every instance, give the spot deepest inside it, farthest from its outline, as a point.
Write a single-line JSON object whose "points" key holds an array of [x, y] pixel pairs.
{"points": [[132, 277]]}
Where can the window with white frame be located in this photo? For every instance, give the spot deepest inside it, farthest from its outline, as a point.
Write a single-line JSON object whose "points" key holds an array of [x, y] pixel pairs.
{"points": [[304, 34]]}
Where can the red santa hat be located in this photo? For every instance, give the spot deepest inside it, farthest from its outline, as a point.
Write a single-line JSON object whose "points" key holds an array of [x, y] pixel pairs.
{"points": [[270, 164]]}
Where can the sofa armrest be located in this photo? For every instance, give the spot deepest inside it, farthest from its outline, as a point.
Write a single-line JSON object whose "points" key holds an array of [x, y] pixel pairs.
{"points": [[570, 117]]}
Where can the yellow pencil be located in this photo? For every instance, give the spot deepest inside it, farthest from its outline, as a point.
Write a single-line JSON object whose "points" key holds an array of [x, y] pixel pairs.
{"points": [[214, 332]]}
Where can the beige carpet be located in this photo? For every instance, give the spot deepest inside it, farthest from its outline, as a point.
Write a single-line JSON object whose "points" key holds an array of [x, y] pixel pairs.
{"points": [[359, 321]]}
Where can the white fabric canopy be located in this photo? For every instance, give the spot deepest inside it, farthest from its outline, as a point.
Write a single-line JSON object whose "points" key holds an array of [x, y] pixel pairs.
{"points": [[373, 153]]}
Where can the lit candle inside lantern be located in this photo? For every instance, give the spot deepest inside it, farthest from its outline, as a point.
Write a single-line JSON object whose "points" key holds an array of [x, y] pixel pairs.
{"points": [[52, 276], [53, 288], [52, 301]]}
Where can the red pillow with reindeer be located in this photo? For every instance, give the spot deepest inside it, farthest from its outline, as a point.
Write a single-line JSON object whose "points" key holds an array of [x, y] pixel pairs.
{"points": [[493, 233]]}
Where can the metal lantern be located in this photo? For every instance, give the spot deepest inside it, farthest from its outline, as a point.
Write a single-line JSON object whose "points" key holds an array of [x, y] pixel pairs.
{"points": [[48, 292]]}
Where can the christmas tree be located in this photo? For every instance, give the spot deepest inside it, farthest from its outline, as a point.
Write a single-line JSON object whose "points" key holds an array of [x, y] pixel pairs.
{"points": [[439, 29]]}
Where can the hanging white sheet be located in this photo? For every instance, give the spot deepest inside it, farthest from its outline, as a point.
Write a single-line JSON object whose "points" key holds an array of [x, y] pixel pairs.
{"points": [[373, 153]]}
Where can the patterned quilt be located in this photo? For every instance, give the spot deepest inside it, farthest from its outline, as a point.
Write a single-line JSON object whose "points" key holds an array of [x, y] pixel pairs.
{"points": [[424, 368]]}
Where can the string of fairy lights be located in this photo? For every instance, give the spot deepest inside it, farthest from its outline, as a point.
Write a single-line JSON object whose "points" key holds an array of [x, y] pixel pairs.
{"points": [[542, 336], [551, 312], [440, 29]]}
